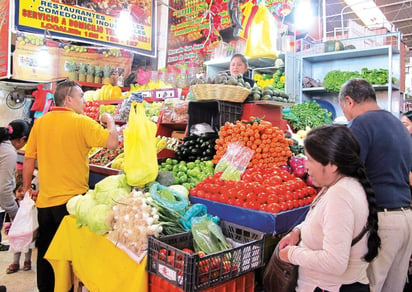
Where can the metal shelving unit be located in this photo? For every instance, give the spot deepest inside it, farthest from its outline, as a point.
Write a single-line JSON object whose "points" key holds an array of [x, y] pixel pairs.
{"points": [[316, 64]]}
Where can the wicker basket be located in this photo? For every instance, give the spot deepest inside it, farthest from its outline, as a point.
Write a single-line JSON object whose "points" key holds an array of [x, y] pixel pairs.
{"points": [[220, 92]]}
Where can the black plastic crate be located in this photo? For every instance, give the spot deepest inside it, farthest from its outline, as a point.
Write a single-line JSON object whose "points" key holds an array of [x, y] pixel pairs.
{"points": [[191, 272], [214, 112]]}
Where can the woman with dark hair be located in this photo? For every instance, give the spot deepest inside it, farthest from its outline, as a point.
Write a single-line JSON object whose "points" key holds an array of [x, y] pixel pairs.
{"points": [[339, 236], [240, 65], [12, 138]]}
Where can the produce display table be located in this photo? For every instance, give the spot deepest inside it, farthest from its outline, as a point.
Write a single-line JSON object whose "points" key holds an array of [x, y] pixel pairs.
{"points": [[96, 261]]}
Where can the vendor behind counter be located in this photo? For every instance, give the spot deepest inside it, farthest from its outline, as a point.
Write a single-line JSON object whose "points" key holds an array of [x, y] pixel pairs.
{"points": [[239, 65]]}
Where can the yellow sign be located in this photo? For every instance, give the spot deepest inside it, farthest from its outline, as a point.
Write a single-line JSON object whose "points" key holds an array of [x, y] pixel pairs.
{"points": [[128, 26]]}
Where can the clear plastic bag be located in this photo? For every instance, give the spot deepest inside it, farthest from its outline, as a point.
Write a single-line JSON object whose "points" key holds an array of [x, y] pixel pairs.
{"points": [[24, 226], [234, 161]]}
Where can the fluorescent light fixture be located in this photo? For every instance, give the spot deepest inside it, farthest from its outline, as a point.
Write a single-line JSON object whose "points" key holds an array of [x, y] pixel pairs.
{"points": [[43, 57], [124, 25], [369, 13], [303, 15]]}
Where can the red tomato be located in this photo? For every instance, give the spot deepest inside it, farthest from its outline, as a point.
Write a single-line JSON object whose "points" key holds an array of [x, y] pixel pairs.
{"points": [[272, 198], [274, 208]]}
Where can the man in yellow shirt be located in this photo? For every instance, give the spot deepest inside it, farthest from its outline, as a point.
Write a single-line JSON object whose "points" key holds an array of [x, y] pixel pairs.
{"points": [[60, 142]]}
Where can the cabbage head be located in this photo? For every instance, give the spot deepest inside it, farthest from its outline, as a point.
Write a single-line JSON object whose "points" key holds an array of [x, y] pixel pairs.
{"points": [[83, 207], [100, 219], [72, 204], [111, 188]]}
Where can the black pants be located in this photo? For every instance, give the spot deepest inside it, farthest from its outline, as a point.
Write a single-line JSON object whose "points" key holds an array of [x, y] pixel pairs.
{"points": [[49, 221], [355, 287]]}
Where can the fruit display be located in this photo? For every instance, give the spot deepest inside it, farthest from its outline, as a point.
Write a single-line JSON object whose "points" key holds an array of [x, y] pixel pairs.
{"points": [[223, 78], [109, 109], [197, 147], [270, 146], [269, 92], [169, 143], [23, 39], [187, 174], [275, 80], [267, 189], [109, 91], [92, 109], [118, 162], [105, 156]]}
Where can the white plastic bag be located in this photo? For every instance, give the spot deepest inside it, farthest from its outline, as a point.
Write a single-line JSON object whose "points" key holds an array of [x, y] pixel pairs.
{"points": [[24, 226]]}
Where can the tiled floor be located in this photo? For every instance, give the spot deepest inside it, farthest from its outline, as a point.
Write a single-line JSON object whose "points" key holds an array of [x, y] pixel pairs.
{"points": [[22, 281]]}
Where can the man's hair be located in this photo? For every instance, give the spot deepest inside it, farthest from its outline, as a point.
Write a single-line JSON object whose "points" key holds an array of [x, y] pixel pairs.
{"points": [[63, 89], [358, 89]]}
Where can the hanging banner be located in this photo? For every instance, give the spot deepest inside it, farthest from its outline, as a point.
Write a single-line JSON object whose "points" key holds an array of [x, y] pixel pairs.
{"points": [[4, 38], [128, 25], [193, 27]]}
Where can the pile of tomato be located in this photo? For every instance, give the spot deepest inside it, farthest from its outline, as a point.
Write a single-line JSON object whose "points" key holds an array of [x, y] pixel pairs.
{"points": [[270, 189], [270, 146]]}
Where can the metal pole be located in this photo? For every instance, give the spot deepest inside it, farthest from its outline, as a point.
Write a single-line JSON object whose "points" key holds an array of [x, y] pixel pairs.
{"points": [[324, 38]]}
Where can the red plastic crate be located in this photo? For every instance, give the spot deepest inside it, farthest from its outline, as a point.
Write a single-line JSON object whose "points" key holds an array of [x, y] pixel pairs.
{"points": [[244, 283]]}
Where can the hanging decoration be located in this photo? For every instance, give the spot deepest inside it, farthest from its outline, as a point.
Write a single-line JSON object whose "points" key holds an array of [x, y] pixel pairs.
{"points": [[282, 8]]}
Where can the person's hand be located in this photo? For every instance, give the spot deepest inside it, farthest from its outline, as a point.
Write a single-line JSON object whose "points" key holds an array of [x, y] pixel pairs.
{"points": [[7, 226], [283, 254], [291, 239], [106, 119], [34, 195]]}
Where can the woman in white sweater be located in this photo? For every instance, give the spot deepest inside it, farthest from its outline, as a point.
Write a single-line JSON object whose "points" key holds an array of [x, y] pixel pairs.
{"points": [[327, 257]]}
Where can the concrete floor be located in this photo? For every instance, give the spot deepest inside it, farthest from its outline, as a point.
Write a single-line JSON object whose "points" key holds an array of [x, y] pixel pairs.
{"points": [[22, 281]]}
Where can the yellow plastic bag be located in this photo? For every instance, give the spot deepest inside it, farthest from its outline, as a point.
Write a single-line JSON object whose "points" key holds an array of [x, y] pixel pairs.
{"points": [[140, 155], [262, 35]]}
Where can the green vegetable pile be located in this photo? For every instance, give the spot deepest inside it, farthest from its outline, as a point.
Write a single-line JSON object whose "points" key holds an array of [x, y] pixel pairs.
{"points": [[308, 114], [187, 174], [334, 80]]}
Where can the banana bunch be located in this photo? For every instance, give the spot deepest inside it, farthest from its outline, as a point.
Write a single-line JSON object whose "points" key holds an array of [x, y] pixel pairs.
{"points": [[161, 143], [151, 85], [118, 162], [169, 143]]}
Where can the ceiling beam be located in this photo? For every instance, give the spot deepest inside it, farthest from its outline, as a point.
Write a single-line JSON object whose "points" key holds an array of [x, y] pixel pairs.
{"points": [[401, 20]]}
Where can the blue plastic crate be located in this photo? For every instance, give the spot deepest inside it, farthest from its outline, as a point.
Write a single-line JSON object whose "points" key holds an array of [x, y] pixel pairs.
{"points": [[262, 221]]}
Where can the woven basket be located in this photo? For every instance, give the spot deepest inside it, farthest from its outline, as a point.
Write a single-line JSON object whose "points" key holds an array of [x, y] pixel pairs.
{"points": [[220, 92]]}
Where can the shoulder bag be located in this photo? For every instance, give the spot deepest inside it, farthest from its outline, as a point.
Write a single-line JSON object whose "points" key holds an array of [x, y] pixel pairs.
{"points": [[280, 276]]}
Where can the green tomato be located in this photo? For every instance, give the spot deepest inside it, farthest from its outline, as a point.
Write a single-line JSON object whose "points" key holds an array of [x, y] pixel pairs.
{"points": [[209, 163], [190, 165], [182, 178], [182, 167]]}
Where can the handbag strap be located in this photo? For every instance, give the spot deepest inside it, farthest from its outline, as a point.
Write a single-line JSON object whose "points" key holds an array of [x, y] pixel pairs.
{"points": [[360, 235]]}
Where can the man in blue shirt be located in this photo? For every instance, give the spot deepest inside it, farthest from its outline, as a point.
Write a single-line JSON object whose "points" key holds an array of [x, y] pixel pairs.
{"points": [[386, 149]]}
